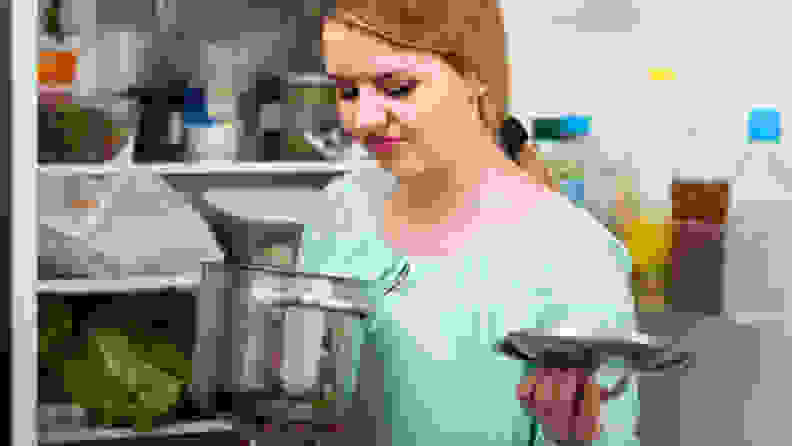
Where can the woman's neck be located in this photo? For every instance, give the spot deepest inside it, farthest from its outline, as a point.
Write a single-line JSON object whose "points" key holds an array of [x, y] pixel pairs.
{"points": [[433, 197]]}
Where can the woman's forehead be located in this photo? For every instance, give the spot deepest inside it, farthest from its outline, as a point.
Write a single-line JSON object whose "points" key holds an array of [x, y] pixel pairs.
{"points": [[376, 66], [352, 54]]}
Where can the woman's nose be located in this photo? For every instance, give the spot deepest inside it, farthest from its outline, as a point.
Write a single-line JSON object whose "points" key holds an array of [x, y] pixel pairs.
{"points": [[371, 109]]}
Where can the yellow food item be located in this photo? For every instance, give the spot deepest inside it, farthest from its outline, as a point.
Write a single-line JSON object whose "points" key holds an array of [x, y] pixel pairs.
{"points": [[661, 74], [649, 242], [224, 92]]}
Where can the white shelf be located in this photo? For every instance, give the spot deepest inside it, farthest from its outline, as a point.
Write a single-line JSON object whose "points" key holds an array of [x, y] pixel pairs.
{"points": [[123, 164], [182, 169], [185, 282], [246, 168], [82, 169], [197, 427], [748, 317]]}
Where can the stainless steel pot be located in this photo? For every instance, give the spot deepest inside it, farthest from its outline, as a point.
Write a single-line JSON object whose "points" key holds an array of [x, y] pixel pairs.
{"points": [[284, 344]]}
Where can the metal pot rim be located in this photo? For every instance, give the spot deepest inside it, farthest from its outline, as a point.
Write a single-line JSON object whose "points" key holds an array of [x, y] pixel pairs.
{"points": [[289, 272]]}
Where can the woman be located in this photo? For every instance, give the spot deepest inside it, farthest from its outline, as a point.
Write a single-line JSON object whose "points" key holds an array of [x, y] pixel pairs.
{"points": [[490, 247]]}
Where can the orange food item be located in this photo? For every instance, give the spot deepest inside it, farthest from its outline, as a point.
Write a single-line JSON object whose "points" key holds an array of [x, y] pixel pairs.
{"points": [[84, 204], [57, 68], [110, 142]]}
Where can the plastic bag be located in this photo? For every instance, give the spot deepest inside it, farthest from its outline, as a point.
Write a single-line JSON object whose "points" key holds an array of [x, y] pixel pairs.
{"points": [[133, 223]]}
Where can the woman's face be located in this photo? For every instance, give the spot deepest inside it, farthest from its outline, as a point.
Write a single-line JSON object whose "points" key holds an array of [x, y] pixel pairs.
{"points": [[409, 107]]}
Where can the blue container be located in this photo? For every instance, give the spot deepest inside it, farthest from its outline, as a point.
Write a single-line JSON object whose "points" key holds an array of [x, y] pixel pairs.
{"points": [[764, 125], [196, 109], [574, 191], [576, 125], [197, 121], [195, 101]]}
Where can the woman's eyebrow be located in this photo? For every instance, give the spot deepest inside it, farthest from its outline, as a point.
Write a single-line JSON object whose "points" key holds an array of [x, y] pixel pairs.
{"points": [[377, 78]]}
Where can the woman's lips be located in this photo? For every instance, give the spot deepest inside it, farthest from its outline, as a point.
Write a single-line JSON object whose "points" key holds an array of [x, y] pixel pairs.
{"points": [[383, 145]]}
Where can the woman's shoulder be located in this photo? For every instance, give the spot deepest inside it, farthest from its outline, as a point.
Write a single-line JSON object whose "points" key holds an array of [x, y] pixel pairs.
{"points": [[574, 230], [563, 270]]}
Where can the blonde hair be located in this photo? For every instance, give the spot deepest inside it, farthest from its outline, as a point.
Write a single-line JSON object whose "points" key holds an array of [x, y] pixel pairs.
{"points": [[468, 34]]}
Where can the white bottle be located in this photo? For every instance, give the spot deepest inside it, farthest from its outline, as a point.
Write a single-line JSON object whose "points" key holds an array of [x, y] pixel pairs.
{"points": [[758, 239]]}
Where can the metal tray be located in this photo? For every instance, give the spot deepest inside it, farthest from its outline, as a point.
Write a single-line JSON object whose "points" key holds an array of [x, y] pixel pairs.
{"points": [[643, 354]]}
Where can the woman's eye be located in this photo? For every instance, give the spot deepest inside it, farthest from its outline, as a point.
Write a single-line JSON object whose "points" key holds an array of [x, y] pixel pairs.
{"points": [[398, 91], [349, 93], [403, 90]]}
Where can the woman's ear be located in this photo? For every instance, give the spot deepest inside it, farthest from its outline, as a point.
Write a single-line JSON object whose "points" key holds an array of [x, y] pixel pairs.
{"points": [[478, 97], [476, 87], [488, 113]]}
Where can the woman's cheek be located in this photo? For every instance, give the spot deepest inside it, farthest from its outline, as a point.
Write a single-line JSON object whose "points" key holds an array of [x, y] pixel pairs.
{"points": [[407, 113], [345, 115]]}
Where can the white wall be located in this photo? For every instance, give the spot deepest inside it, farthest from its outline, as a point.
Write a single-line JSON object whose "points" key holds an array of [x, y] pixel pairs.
{"points": [[728, 58]]}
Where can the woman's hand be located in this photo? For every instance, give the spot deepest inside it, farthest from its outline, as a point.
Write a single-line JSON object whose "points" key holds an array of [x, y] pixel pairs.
{"points": [[565, 401]]}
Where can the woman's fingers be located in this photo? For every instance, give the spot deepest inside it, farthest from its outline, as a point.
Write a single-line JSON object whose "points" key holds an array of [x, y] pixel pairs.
{"points": [[567, 401], [593, 400], [586, 424], [586, 428], [525, 389], [565, 384], [556, 385], [540, 391]]}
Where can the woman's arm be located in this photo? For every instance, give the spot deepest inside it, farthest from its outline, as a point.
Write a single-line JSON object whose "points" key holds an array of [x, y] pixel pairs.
{"points": [[582, 281]]}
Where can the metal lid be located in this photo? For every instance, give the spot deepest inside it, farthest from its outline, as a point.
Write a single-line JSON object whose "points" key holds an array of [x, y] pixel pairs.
{"points": [[642, 353]]}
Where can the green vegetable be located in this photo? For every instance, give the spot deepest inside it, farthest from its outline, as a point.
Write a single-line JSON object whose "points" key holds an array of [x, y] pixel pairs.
{"points": [[114, 377], [53, 21], [159, 351], [123, 374], [77, 124], [564, 170], [312, 96], [297, 143], [55, 328]]}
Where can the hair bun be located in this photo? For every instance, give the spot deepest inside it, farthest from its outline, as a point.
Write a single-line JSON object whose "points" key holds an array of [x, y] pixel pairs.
{"points": [[512, 136]]}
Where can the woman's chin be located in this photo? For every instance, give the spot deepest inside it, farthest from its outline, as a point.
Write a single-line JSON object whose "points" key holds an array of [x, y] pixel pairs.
{"points": [[402, 168]]}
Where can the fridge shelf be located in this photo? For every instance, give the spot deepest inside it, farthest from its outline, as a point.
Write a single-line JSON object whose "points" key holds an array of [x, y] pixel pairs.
{"points": [[202, 169], [175, 430], [186, 282]]}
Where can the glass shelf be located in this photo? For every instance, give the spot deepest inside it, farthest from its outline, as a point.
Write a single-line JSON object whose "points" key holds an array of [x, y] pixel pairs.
{"points": [[176, 430], [187, 282], [123, 164], [207, 168]]}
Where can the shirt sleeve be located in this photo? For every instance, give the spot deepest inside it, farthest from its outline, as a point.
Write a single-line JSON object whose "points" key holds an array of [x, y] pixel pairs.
{"points": [[591, 293]]}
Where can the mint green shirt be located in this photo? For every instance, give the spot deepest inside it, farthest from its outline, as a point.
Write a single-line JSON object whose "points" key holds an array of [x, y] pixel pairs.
{"points": [[443, 383]]}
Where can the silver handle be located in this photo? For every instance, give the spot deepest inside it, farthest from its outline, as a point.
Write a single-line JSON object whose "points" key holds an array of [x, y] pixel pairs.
{"points": [[326, 304]]}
